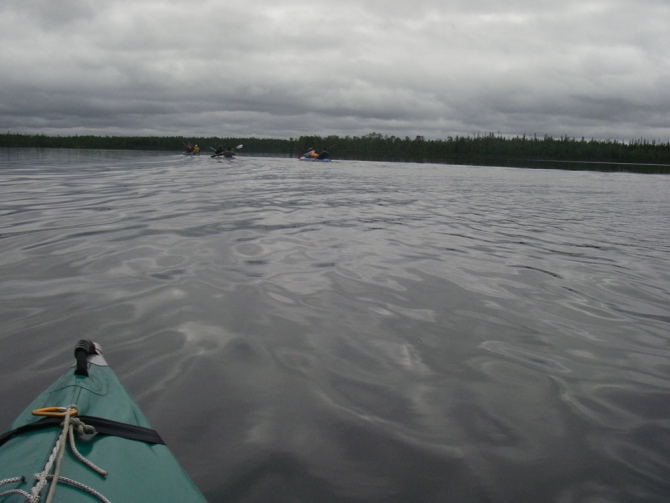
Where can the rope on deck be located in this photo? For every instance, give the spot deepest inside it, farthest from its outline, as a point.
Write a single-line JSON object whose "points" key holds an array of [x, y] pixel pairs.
{"points": [[70, 426]]}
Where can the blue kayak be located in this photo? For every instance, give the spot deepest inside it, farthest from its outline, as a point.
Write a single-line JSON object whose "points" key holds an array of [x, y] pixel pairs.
{"points": [[88, 432], [312, 159]]}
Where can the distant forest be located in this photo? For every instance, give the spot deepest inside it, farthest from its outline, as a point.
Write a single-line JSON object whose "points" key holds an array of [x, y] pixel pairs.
{"points": [[487, 150]]}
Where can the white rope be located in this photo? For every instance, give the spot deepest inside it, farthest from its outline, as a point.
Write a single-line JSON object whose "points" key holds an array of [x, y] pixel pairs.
{"points": [[83, 429], [57, 454], [68, 429], [83, 487], [13, 491], [57, 451], [62, 480], [13, 479]]}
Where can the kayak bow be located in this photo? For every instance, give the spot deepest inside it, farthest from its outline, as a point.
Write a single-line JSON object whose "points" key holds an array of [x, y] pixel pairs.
{"points": [[112, 453]]}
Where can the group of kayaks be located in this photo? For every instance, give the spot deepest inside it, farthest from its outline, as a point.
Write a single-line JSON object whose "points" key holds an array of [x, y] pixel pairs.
{"points": [[84, 439], [229, 153]]}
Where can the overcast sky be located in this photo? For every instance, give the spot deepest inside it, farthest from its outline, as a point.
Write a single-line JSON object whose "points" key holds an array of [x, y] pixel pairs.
{"points": [[270, 68]]}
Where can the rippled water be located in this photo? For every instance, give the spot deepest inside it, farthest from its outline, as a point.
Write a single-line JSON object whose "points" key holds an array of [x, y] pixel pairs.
{"points": [[354, 331]]}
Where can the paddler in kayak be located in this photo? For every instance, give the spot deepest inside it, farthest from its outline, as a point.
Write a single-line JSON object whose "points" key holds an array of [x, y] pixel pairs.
{"points": [[324, 154], [196, 150], [311, 153], [228, 152]]}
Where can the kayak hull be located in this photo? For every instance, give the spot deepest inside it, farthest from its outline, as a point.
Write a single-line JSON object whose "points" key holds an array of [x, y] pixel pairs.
{"points": [[312, 159], [137, 470]]}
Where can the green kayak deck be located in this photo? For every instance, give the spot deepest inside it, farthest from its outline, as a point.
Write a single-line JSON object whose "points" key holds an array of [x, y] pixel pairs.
{"points": [[140, 468]]}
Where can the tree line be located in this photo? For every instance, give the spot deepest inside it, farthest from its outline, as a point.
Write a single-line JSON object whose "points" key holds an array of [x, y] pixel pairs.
{"points": [[490, 149]]}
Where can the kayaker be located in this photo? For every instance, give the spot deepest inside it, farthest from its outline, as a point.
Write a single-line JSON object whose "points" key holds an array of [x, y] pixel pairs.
{"points": [[219, 150], [324, 154], [311, 153], [189, 148], [196, 150], [229, 152]]}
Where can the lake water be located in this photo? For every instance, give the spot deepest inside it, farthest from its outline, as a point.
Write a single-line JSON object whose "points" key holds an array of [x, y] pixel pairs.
{"points": [[354, 331]]}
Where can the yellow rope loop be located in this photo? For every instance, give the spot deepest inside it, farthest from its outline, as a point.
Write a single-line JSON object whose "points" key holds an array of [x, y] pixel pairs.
{"points": [[55, 411]]}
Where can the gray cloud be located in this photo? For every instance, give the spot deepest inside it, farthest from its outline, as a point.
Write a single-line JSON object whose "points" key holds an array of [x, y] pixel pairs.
{"points": [[427, 67]]}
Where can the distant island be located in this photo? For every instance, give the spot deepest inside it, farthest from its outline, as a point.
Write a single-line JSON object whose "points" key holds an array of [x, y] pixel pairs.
{"points": [[640, 156]]}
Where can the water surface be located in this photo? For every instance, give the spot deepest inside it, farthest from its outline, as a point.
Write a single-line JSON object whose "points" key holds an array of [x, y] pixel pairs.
{"points": [[354, 331]]}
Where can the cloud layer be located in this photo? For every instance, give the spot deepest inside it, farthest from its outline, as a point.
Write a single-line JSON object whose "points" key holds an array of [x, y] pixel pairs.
{"points": [[594, 68]]}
